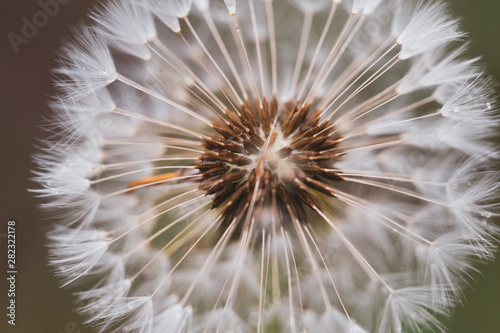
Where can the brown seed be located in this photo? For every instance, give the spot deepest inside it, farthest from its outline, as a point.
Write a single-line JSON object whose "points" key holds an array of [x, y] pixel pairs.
{"points": [[297, 117], [249, 115], [284, 213], [312, 121], [305, 194], [251, 107], [250, 147], [218, 143], [234, 199], [332, 175], [328, 144], [221, 196], [303, 142], [314, 156], [320, 186], [301, 158], [235, 120], [316, 142], [224, 181], [311, 169], [203, 166], [226, 132], [214, 172], [274, 107], [225, 156], [265, 116], [208, 183], [287, 112], [285, 152], [256, 139], [292, 204]]}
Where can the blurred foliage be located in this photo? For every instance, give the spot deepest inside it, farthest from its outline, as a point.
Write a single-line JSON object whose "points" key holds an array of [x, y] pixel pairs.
{"points": [[481, 311]]}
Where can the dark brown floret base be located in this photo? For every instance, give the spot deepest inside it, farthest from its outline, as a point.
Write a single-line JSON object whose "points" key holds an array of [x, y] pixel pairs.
{"points": [[247, 134]]}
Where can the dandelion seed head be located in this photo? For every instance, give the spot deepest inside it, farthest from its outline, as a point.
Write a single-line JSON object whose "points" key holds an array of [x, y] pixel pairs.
{"points": [[269, 166]]}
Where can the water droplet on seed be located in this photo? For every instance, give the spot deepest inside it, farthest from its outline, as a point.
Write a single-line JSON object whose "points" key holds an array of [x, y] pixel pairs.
{"points": [[486, 214]]}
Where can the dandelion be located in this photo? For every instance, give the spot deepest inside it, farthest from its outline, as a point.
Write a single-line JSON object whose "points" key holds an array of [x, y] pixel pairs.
{"points": [[269, 166]]}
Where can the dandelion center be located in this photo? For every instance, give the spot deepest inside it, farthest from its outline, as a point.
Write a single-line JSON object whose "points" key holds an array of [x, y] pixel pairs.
{"points": [[269, 157]]}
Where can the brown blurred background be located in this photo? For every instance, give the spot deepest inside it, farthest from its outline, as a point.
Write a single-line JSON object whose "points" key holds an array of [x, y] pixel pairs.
{"points": [[25, 84]]}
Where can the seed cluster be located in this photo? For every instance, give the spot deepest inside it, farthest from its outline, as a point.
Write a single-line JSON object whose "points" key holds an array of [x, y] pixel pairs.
{"points": [[286, 155]]}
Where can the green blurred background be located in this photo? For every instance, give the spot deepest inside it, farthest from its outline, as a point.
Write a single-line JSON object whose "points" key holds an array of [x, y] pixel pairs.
{"points": [[25, 85]]}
